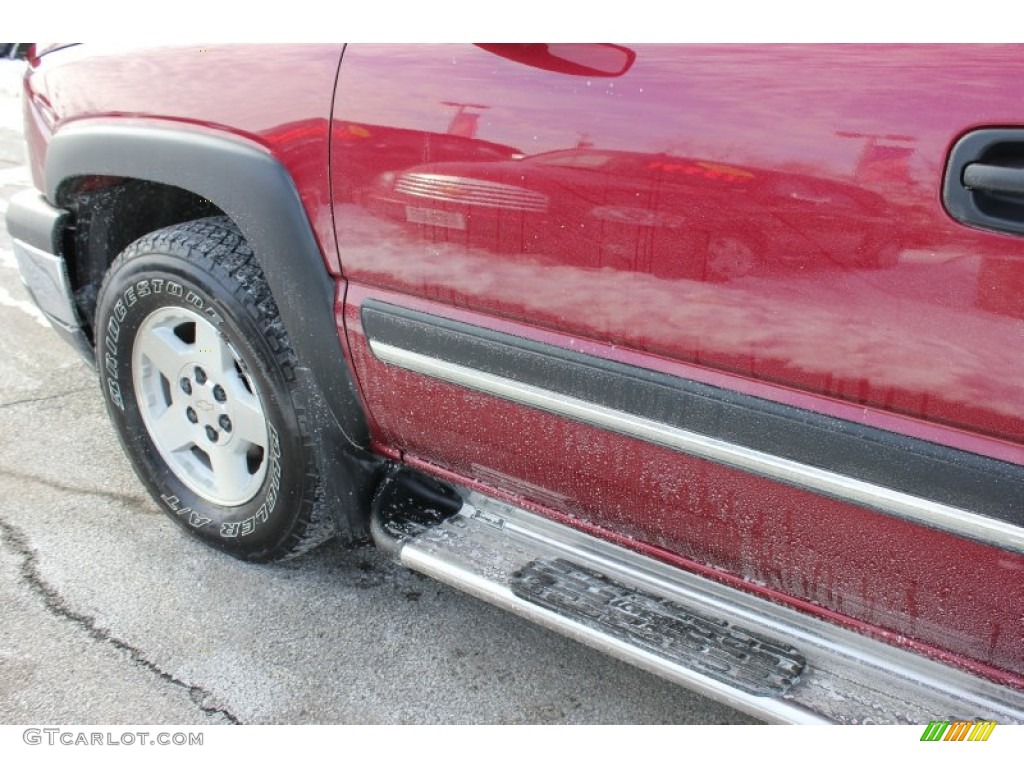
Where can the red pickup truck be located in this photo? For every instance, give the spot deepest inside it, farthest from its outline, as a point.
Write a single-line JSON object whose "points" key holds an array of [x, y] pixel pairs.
{"points": [[710, 357]]}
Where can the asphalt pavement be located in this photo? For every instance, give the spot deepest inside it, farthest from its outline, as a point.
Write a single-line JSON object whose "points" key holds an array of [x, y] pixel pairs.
{"points": [[110, 614]]}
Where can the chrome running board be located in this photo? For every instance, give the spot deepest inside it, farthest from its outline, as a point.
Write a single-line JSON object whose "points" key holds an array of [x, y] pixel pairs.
{"points": [[759, 657]]}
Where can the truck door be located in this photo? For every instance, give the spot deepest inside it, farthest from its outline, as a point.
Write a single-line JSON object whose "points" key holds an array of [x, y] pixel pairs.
{"points": [[708, 301]]}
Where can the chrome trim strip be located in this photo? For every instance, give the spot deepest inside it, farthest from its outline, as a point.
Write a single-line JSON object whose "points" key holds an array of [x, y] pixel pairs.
{"points": [[902, 505]]}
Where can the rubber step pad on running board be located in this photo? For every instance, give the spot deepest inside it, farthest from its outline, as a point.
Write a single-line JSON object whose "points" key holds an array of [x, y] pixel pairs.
{"points": [[712, 646]]}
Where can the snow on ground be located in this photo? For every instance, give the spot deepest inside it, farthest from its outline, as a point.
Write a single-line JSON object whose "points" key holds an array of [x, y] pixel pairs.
{"points": [[11, 73]]}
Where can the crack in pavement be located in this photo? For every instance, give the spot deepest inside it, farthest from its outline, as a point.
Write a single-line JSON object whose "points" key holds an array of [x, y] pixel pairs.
{"points": [[45, 397], [55, 604], [133, 502]]}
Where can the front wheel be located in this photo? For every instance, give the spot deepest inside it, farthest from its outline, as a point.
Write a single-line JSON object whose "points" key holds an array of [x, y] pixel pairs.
{"points": [[198, 378]]}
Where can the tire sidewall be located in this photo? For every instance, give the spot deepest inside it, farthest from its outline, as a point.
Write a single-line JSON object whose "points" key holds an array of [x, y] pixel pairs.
{"points": [[153, 280]]}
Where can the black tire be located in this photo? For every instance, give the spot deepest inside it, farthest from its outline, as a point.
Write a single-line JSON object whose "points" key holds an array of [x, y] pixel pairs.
{"points": [[256, 498]]}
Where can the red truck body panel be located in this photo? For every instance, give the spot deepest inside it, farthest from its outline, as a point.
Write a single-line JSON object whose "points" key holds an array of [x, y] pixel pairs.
{"points": [[279, 97], [766, 220], [845, 288]]}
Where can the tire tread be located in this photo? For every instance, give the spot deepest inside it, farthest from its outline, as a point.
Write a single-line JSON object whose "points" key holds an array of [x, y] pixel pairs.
{"points": [[217, 247]]}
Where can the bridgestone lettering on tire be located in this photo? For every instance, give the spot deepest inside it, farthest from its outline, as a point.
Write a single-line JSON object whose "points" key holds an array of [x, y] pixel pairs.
{"points": [[198, 375]]}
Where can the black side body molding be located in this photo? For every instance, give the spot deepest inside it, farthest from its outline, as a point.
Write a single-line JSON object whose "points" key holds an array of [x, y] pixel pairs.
{"points": [[926, 470]]}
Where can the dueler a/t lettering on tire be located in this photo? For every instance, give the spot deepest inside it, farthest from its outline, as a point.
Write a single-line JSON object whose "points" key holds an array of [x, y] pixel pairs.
{"points": [[197, 372]]}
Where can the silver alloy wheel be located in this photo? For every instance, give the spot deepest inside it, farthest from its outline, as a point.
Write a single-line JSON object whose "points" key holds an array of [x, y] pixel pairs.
{"points": [[202, 411]]}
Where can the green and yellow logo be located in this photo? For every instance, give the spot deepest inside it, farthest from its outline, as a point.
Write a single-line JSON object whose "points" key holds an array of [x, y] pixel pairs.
{"points": [[959, 730]]}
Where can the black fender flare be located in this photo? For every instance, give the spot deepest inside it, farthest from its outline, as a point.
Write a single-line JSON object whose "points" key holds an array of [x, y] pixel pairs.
{"points": [[255, 190]]}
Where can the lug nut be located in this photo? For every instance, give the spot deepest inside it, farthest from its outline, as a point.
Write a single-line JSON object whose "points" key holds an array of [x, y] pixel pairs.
{"points": [[200, 375], [212, 434], [219, 394], [186, 386], [225, 423], [191, 415]]}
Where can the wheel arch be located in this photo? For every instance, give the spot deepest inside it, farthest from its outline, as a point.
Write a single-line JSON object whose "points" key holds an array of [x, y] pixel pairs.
{"points": [[242, 180]]}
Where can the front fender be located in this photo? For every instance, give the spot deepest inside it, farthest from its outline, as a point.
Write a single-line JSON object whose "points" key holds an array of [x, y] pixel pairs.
{"points": [[249, 185]]}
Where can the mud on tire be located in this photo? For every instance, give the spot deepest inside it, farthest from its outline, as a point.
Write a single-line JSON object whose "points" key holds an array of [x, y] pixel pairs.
{"points": [[198, 376]]}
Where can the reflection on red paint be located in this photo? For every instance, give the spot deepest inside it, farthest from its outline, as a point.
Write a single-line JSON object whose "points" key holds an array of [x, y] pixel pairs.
{"points": [[708, 171], [802, 246], [718, 213]]}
